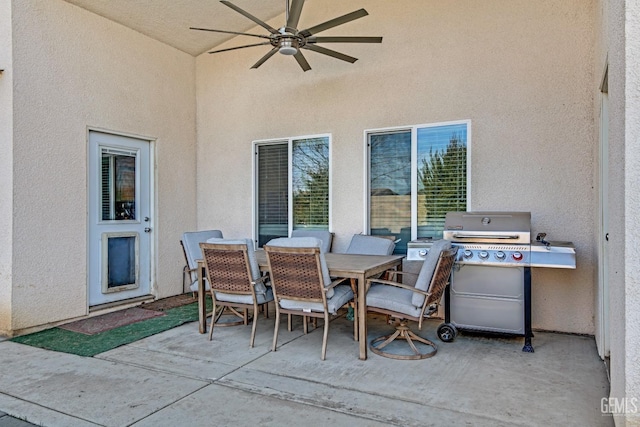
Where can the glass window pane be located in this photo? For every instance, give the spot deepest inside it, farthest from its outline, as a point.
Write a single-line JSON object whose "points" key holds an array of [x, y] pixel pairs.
{"points": [[442, 176], [273, 179], [310, 183], [390, 186], [118, 187]]}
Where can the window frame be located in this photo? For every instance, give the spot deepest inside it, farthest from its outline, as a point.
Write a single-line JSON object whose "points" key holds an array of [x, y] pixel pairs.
{"points": [[255, 184], [413, 129]]}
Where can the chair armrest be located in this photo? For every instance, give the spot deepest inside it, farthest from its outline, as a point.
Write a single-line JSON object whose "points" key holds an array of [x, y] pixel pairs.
{"points": [[400, 273], [398, 285], [334, 283], [261, 279]]}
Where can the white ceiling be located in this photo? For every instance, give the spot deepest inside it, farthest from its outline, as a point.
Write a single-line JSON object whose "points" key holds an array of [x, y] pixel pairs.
{"points": [[169, 20]]}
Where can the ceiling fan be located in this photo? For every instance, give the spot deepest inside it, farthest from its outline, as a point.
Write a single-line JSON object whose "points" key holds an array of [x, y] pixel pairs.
{"points": [[288, 40]]}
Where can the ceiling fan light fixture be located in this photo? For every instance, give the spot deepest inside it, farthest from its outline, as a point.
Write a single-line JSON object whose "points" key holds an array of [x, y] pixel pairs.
{"points": [[288, 46]]}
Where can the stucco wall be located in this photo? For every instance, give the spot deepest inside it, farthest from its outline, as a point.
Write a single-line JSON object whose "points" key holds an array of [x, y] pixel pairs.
{"points": [[73, 70], [521, 71], [6, 169], [632, 206]]}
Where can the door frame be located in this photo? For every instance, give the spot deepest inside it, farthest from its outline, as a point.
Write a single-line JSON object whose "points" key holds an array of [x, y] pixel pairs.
{"points": [[152, 211], [603, 338]]}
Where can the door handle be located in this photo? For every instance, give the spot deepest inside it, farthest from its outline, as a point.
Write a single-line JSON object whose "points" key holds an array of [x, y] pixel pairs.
{"points": [[147, 230], [606, 237], [146, 219]]}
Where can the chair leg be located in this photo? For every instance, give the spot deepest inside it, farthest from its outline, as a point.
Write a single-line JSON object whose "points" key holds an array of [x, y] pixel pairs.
{"points": [[213, 320], [352, 282], [289, 322], [305, 325], [325, 335], [253, 326], [275, 330]]}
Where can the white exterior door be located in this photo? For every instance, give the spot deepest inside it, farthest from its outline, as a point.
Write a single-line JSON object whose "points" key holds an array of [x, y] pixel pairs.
{"points": [[120, 225]]}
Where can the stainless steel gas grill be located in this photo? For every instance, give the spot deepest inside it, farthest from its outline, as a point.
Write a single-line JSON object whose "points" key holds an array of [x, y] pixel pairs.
{"points": [[491, 284]]}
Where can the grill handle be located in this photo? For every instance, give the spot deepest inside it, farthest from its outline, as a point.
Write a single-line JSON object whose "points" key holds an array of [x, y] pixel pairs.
{"points": [[485, 236]]}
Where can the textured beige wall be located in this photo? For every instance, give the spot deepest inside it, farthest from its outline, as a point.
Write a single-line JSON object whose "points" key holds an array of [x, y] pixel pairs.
{"points": [[73, 70], [632, 205], [6, 168], [521, 71], [613, 46]]}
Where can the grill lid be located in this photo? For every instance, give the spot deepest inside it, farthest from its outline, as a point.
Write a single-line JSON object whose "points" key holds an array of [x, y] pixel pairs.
{"points": [[488, 227]]}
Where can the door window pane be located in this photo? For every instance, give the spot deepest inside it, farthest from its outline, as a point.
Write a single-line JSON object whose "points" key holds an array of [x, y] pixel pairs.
{"points": [[118, 186]]}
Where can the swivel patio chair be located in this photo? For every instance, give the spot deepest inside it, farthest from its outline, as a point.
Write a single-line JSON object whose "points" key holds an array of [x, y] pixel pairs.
{"points": [[362, 244], [235, 280], [301, 283], [405, 302], [324, 235], [370, 245]]}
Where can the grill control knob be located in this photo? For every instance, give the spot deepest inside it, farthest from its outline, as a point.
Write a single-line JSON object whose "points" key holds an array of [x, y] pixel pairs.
{"points": [[467, 254], [517, 256], [500, 255], [423, 252], [483, 254]]}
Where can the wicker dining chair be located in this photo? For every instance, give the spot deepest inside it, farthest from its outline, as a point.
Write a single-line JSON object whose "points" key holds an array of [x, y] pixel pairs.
{"points": [[301, 283], [235, 280], [405, 302]]}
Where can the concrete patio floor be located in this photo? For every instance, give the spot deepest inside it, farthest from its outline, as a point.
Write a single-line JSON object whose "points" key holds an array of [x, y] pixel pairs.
{"points": [[179, 378]]}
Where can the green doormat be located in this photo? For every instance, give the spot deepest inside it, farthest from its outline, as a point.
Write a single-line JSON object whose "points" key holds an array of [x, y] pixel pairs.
{"points": [[65, 341]]}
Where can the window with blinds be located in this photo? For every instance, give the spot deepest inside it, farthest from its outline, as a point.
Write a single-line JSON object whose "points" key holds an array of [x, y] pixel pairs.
{"points": [[292, 186], [416, 175]]}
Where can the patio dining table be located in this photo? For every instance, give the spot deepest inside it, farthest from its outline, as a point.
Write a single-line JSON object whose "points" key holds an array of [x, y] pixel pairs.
{"points": [[348, 266]]}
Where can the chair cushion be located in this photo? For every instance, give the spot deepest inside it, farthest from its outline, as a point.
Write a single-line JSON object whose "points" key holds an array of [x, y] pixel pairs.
{"points": [[342, 294], [324, 235], [370, 245], [191, 241], [306, 242], [392, 298], [251, 253], [428, 267], [245, 299]]}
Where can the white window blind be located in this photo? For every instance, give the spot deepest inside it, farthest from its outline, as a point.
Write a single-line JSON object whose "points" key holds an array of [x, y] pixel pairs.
{"points": [[273, 193]]}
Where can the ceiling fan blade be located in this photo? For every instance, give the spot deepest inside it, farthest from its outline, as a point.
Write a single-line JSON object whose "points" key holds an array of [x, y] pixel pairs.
{"points": [[250, 16], [230, 32], [330, 52], [264, 58], [239, 47], [344, 39], [334, 22], [302, 61], [294, 13]]}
